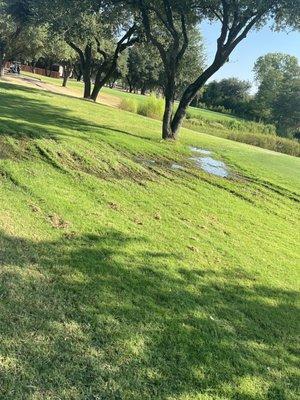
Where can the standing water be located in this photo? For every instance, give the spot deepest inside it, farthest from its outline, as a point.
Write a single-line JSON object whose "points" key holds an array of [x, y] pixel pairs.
{"points": [[209, 164]]}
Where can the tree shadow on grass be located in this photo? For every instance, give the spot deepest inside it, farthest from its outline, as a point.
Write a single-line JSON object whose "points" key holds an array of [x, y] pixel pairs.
{"points": [[84, 318], [26, 118], [34, 118]]}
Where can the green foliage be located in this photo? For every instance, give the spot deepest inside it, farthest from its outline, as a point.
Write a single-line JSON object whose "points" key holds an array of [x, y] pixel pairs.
{"points": [[277, 99], [286, 108], [231, 94], [193, 62], [232, 123], [144, 66], [276, 68], [153, 107], [8, 32], [129, 105]]}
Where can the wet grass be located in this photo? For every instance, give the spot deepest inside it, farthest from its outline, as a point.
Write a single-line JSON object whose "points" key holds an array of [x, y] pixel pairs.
{"points": [[121, 278]]}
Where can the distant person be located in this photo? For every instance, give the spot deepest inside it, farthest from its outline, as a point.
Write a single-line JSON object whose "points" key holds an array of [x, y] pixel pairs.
{"points": [[18, 69]]}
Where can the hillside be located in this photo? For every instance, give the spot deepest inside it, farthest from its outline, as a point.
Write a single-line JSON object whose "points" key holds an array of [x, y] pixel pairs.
{"points": [[128, 272], [78, 87], [198, 119]]}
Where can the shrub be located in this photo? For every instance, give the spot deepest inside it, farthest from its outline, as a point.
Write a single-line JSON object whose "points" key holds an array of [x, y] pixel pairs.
{"points": [[270, 142], [129, 105], [152, 107], [194, 122], [216, 124]]}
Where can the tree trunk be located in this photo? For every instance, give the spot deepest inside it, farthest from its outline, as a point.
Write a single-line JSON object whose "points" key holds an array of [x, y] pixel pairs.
{"points": [[85, 58], [86, 68], [67, 71], [97, 85], [2, 65], [87, 86], [99, 81], [2, 60], [50, 69], [188, 96], [169, 92], [77, 73], [108, 68], [167, 119], [65, 79], [33, 64], [130, 85]]}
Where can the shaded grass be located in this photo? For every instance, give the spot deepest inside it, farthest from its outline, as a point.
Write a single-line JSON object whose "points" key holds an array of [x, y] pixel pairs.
{"points": [[124, 280]]}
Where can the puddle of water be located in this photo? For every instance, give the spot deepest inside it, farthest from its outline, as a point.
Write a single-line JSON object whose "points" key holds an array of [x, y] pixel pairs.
{"points": [[212, 166], [177, 167], [199, 150]]}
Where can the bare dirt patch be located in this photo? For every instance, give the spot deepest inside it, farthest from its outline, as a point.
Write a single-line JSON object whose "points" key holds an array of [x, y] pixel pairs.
{"points": [[36, 83]]}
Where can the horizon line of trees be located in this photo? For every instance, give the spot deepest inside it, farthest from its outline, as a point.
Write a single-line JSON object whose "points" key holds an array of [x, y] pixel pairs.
{"points": [[156, 43], [277, 100]]}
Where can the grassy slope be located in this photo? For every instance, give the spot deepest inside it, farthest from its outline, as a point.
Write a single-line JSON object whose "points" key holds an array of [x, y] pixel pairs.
{"points": [[122, 281], [78, 86]]}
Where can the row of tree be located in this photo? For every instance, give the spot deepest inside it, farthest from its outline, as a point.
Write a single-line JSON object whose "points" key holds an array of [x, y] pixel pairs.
{"points": [[94, 35], [277, 100]]}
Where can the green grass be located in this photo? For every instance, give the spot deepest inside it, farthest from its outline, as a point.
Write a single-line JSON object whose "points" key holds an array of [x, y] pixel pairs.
{"points": [[195, 112], [125, 279]]}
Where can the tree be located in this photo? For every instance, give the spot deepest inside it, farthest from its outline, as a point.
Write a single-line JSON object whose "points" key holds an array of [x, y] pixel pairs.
{"points": [[99, 31], [14, 15], [30, 44], [286, 109], [273, 72], [121, 70], [192, 64], [146, 70], [144, 66], [167, 25], [230, 93], [109, 64]]}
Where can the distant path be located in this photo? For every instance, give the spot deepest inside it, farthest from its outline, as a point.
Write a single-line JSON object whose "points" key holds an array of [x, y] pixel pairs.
{"points": [[106, 99]]}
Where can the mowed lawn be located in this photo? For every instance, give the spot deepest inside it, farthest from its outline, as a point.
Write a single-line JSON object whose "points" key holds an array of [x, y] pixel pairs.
{"points": [[122, 278], [78, 87]]}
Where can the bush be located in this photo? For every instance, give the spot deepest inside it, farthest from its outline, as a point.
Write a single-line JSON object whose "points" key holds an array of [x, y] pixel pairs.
{"points": [[153, 107], [233, 124], [129, 105], [194, 122], [270, 142]]}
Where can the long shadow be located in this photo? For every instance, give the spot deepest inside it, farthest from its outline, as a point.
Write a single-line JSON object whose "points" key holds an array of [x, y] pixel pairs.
{"points": [[83, 318], [34, 118], [26, 118]]}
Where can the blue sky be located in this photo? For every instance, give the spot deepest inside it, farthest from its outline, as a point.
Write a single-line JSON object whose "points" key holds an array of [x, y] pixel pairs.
{"points": [[255, 45]]}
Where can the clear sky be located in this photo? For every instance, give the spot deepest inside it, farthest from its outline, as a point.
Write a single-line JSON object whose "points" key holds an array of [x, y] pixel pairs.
{"points": [[255, 45]]}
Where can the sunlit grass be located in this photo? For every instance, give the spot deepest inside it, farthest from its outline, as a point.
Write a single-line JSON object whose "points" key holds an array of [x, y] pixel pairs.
{"points": [[124, 279]]}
